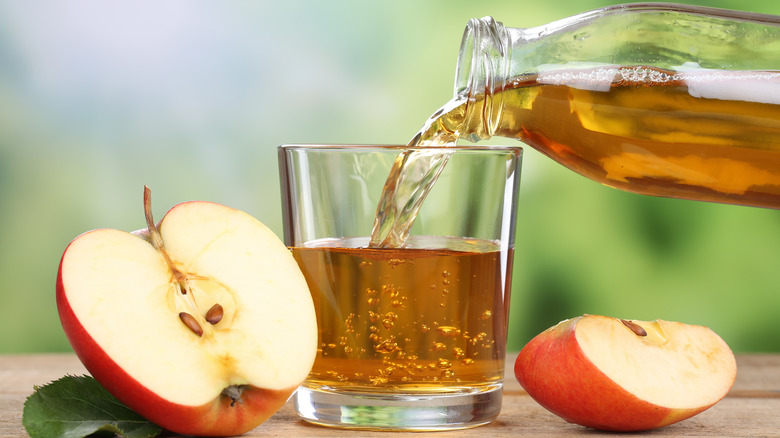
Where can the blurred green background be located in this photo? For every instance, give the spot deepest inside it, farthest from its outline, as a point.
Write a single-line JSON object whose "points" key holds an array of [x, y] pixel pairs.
{"points": [[98, 99]]}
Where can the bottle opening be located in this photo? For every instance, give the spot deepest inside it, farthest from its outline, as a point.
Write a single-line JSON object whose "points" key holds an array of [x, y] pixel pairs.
{"points": [[464, 71], [482, 70]]}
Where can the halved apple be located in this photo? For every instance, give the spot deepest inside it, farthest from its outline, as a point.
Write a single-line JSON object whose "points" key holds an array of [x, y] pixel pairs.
{"points": [[204, 324], [623, 375]]}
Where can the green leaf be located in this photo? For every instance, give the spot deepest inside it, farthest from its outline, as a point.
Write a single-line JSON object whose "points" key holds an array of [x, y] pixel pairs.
{"points": [[77, 407]]}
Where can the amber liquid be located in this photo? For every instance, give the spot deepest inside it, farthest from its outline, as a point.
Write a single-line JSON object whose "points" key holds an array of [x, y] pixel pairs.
{"points": [[408, 320], [704, 135]]}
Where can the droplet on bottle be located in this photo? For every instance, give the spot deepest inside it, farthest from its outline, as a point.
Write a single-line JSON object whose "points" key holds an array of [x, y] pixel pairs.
{"points": [[438, 346], [487, 314]]}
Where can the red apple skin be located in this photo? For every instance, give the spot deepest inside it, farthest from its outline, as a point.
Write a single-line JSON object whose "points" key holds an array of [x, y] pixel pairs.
{"points": [[221, 417], [553, 369]]}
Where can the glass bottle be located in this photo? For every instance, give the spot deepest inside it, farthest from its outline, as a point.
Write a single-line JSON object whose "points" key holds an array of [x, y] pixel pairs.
{"points": [[658, 99]]}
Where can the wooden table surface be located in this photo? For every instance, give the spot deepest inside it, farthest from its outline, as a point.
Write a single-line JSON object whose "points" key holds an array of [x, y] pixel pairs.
{"points": [[752, 408]]}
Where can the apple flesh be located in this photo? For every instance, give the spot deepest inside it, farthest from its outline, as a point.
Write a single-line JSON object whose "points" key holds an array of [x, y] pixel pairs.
{"points": [[204, 324], [620, 375]]}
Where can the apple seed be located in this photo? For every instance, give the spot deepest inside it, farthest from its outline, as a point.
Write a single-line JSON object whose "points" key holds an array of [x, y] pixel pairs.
{"points": [[214, 315], [191, 323], [636, 328]]}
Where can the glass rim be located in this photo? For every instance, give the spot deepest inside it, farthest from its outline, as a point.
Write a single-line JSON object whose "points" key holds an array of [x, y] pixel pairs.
{"points": [[399, 147]]}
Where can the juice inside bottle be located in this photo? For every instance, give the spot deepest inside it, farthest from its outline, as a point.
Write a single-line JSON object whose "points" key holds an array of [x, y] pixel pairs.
{"points": [[697, 134]]}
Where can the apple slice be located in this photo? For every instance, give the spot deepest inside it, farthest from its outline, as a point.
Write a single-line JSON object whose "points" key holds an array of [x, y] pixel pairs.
{"points": [[620, 375], [204, 325]]}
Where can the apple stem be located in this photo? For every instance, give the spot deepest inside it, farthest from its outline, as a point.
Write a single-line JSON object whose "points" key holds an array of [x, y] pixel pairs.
{"points": [[157, 240], [636, 328], [179, 277]]}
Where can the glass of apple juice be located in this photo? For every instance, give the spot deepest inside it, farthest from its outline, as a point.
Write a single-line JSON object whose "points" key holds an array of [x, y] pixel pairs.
{"points": [[412, 329]]}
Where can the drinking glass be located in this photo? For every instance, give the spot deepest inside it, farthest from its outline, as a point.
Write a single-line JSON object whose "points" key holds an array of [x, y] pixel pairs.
{"points": [[412, 336]]}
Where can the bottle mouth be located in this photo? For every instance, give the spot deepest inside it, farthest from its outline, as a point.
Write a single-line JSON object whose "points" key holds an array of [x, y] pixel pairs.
{"points": [[464, 71], [481, 59], [483, 68]]}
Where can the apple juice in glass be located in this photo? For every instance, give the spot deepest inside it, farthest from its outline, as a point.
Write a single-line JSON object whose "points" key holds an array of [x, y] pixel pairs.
{"points": [[411, 337]]}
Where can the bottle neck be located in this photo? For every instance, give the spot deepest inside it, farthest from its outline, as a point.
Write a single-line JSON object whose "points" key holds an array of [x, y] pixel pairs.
{"points": [[481, 74]]}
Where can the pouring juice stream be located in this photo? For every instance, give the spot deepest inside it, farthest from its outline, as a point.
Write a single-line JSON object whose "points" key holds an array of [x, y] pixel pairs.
{"points": [[681, 127]]}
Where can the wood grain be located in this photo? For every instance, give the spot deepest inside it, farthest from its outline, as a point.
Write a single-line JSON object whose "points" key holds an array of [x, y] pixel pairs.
{"points": [[752, 408]]}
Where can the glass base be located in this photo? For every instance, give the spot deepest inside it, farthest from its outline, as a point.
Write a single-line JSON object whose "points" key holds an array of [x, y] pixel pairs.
{"points": [[400, 411]]}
